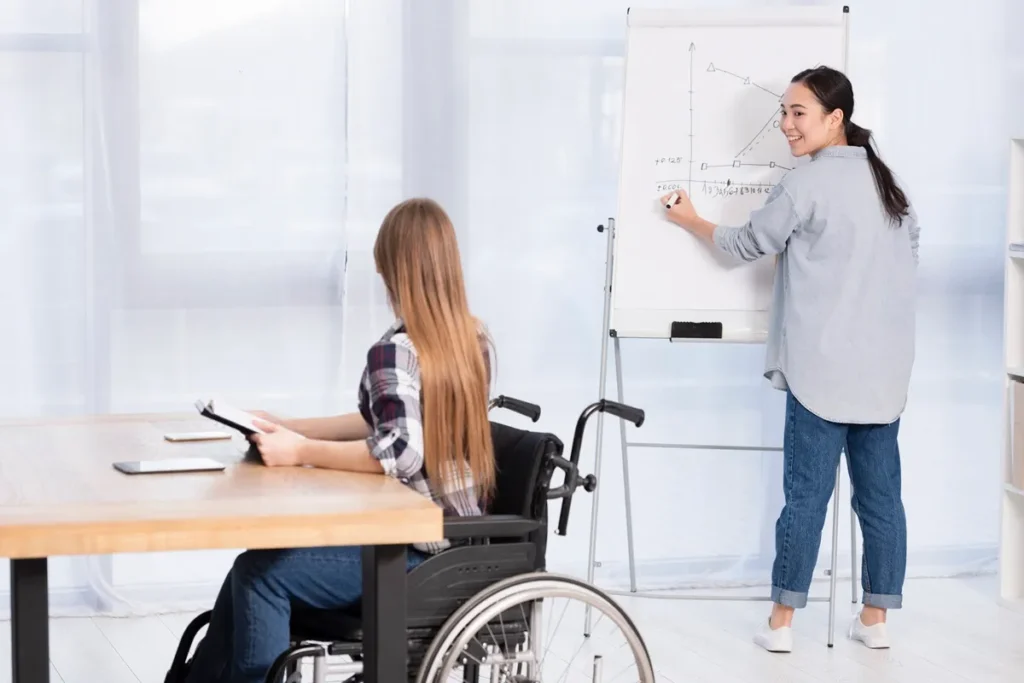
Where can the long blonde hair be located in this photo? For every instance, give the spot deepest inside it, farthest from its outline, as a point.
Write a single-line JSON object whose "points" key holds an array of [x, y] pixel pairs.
{"points": [[417, 255]]}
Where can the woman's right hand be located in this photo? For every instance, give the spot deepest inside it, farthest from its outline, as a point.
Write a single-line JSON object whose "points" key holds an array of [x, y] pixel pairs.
{"points": [[681, 212]]}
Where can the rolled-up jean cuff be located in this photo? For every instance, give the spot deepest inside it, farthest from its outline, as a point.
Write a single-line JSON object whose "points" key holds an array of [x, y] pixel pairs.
{"points": [[789, 598], [883, 601]]}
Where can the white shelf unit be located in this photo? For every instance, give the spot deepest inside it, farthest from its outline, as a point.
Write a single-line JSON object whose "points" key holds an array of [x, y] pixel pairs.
{"points": [[1011, 545]]}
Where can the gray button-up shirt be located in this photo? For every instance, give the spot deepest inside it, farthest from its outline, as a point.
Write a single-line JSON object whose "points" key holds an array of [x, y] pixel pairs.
{"points": [[842, 317]]}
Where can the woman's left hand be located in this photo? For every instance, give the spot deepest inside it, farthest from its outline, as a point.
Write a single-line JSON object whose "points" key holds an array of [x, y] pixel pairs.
{"points": [[278, 446], [682, 212]]}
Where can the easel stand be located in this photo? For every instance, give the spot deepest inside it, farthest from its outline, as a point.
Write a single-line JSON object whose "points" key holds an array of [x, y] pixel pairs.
{"points": [[625, 445]]}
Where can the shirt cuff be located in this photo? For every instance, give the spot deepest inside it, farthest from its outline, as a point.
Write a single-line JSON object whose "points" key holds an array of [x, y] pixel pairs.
{"points": [[379, 445]]}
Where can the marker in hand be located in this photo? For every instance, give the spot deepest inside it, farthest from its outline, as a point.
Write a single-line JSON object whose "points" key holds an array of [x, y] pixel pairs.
{"points": [[672, 200]]}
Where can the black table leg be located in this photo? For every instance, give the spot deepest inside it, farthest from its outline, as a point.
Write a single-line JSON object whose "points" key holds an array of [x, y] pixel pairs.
{"points": [[385, 650], [30, 622]]}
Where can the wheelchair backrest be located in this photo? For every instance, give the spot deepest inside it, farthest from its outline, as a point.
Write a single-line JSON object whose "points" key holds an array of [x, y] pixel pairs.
{"points": [[524, 473], [521, 457]]}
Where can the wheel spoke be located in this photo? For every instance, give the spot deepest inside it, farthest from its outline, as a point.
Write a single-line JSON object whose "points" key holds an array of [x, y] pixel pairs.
{"points": [[551, 638], [514, 651]]}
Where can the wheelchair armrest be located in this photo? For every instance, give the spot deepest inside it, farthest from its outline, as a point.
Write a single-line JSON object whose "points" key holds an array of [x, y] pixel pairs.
{"points": [[489, 526]]}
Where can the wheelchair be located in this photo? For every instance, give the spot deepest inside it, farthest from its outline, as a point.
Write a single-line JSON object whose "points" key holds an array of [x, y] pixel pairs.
{"points": [[478, 610]]}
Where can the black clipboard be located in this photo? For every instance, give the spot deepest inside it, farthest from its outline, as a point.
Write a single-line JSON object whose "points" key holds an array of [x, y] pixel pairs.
{"points": [[236, 419]]}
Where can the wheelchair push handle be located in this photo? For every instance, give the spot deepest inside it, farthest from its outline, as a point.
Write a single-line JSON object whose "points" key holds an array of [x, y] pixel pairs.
{"points": [[571, 466], [621, 410], [530, 410]]}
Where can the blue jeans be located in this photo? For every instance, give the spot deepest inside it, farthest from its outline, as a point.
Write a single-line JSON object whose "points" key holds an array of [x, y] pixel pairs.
{"points": [[249, 626], [811, 451]]}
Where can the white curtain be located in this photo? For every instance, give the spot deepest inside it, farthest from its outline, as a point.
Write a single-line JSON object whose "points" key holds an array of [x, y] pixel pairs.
{"points": [[173, 222], [191, 191]]}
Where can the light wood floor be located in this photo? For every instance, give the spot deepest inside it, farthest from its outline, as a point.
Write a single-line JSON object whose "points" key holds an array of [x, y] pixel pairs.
{"points": [[950, 631]]}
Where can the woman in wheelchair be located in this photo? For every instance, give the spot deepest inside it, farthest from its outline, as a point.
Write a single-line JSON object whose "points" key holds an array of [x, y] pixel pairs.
{"points": [[422, 418]]}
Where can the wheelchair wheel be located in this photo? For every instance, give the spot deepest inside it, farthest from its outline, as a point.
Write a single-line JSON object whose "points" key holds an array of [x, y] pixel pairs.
{"points": [[510, 634]]}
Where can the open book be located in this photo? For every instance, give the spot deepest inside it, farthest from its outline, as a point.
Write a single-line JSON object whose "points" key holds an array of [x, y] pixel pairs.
{"points": [[229, 416]]}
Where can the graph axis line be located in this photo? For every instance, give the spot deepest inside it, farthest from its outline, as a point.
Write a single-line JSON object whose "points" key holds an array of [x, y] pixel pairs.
{"points": [[689, 186]]}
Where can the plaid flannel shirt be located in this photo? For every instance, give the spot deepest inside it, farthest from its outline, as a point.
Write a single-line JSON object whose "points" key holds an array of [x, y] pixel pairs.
{"points": [[390, 402]]}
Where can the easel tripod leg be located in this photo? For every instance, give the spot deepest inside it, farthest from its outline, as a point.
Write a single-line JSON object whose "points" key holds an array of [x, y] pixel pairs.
{"points": [[853, 551], [605, 326], [833, 572], [853, 558], [625, 471], [593, 515]]}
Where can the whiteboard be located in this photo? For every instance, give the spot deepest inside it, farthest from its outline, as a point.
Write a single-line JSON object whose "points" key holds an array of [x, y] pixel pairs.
{"points": [[701, 112]]}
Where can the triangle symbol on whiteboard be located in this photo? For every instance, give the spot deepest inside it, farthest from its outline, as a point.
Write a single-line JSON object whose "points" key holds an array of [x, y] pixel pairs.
{"points": [[711, 67], [746, 81]]}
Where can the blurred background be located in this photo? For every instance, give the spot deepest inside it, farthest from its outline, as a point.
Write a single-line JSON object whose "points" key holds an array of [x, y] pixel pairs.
{"points": [[190, 190]]}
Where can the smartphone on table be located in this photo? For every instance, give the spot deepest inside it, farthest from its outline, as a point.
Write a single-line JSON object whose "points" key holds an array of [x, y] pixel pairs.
{"points": [[169, 465]]}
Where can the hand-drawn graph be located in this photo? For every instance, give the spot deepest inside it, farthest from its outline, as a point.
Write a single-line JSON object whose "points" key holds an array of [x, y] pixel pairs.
{"points": [[729, 177]]}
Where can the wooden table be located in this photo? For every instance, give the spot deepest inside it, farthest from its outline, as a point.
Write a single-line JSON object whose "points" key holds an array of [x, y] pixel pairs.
{"points": [[60, 495]]}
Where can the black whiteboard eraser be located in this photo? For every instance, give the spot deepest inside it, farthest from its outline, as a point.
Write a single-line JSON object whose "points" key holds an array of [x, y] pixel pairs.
{"points": [[691, 330]]}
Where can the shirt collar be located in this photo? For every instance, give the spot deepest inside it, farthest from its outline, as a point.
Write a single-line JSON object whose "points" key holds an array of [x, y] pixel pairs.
{"points": [[841, 151], [395, 328]]}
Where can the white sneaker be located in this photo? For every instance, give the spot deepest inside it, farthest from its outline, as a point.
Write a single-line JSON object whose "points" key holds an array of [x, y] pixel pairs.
{"points": [[875, 637], [775, 639]]}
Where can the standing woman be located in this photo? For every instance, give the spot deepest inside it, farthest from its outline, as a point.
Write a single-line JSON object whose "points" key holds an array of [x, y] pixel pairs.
{"points": [[841, 343]]}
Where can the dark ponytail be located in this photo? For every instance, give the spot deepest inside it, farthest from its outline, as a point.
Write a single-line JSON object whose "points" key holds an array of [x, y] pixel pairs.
{"points": [[833, 91]]}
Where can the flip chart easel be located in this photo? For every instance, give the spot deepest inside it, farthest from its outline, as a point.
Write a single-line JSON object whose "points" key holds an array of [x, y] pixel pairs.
{"points": [[701, 110]]}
